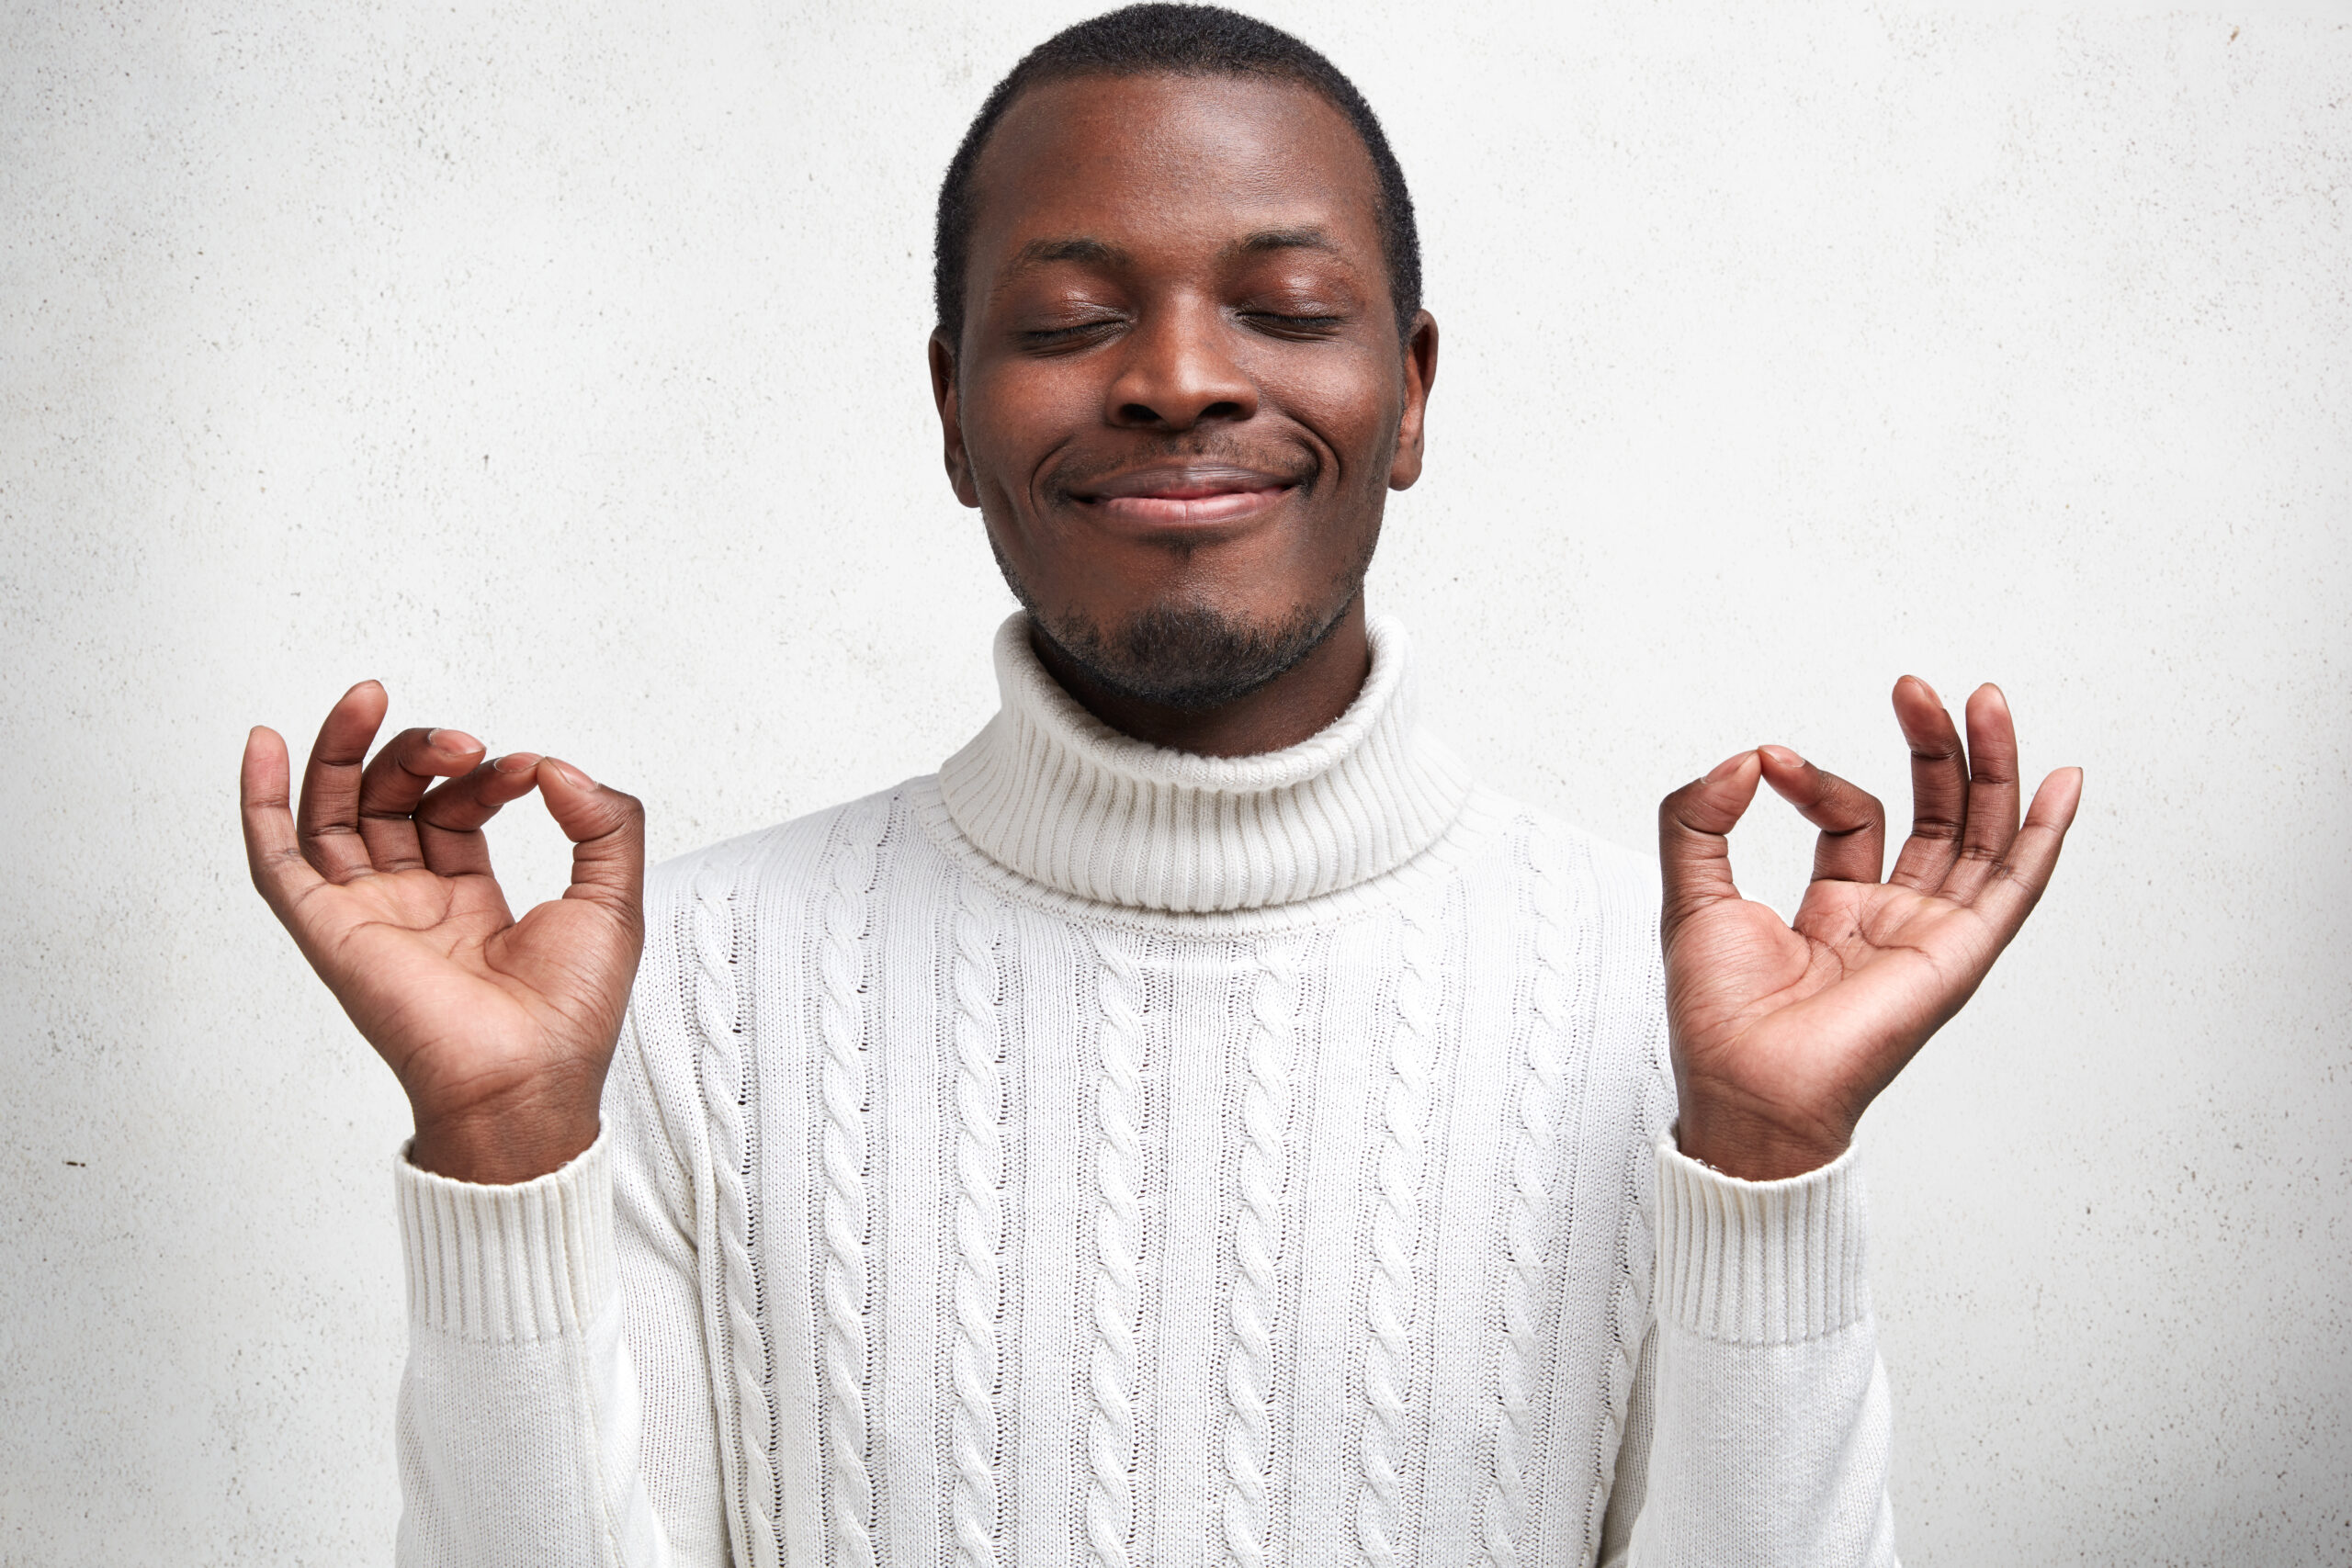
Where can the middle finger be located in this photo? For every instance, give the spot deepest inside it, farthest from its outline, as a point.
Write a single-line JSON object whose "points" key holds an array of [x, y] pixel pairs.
{"points": [[1938, 786], [451, 819], [397, 780]]}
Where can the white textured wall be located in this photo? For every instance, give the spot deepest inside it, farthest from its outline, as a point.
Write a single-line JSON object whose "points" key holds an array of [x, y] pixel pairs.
{"points": [[562, 365]]}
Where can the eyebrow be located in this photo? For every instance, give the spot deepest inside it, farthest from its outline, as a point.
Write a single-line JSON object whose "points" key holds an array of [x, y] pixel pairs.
{"points": [[1098, 252], [1309, 237], [1086, 250], [1066, 248]]}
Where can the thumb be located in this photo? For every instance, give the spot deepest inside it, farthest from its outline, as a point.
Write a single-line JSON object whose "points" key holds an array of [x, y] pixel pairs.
{"points": [[607, 833], [1693, 852]]}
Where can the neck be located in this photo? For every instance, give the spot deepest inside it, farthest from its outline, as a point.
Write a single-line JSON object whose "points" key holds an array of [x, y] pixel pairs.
{"points": [[1295, 705], [1051, 792]]}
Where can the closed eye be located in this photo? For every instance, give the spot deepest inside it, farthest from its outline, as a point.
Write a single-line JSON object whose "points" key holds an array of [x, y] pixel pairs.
{"points": [[1284, 324], [1078, 335]]}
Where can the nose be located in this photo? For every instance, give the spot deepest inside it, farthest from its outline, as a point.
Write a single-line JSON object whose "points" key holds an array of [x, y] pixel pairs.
{"points": [[1177, 371]]}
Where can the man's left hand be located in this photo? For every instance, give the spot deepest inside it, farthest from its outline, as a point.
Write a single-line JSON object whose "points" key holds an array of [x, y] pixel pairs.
{"points": [[1784, 1032]]}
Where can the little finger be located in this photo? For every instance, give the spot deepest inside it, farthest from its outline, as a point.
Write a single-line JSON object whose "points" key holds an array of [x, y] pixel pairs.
{"points": [[2015, 886]]}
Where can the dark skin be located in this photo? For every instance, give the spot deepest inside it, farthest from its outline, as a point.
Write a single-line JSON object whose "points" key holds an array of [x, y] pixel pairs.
{"points": [[1181, 382], [1236, 349]]}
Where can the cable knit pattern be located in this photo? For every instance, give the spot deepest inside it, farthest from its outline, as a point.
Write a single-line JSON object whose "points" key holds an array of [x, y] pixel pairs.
{"points": [[1258, 1254], [980, 1226], [841, 1006], [1098, 1158], [727, 1097], [1382, 1513], [1519, 1352], [1053, 791], [1118, 1258], [1531, 1212]]}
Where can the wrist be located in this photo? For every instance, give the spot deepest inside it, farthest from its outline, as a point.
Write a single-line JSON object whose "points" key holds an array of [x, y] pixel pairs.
{"points": [[506, 1146], [1750, 1148]]}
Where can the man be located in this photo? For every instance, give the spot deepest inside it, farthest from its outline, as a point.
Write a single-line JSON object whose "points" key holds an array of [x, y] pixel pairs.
{"points": [[1198, 1123]]}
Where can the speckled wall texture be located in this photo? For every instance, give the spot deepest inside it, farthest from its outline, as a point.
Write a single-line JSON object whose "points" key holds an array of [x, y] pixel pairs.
{"points": [[562, 365]]}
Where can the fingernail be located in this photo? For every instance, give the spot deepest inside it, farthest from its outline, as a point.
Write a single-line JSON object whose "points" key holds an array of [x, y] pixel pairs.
{"points": [[1784, 756], [518, 762], [1727, 767], [1925, 687], [454, 740], [574, 777]]}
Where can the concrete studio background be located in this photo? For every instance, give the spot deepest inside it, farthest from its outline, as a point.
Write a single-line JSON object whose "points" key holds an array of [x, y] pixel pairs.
{"points": [[562, 367]]}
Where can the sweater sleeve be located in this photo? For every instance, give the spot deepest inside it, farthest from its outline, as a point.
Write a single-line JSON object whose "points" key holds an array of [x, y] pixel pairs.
{"points": [[1759, 1429], [556, 1406]]}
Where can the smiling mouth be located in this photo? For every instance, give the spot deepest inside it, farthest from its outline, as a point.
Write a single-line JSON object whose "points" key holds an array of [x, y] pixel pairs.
{"points": [[1184, 497]]}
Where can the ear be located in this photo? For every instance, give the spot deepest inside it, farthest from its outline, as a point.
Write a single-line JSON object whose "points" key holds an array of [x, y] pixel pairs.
{"points": [[945, 394], [1420, 375]]}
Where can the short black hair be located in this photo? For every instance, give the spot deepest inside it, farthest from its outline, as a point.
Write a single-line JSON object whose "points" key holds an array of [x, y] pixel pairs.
{"points": [[1179, 40]]}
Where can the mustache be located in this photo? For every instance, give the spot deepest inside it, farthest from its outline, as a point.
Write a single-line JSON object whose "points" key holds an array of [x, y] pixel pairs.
{"points": [[1078, 476]]}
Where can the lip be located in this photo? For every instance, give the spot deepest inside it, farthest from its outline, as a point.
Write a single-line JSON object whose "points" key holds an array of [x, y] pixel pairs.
{"points": [[1184, 495]]}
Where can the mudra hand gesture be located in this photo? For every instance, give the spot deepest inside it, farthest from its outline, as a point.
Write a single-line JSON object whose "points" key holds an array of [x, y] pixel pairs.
{"points": [[500, 1030], [1782, 1033]]}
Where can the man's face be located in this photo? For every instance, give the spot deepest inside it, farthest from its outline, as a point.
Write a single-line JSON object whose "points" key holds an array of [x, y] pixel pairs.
{"points": [[1179, 398]]}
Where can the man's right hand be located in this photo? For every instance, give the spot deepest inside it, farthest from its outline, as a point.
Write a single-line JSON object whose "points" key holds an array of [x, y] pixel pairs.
{"points": [[500, 1030]]}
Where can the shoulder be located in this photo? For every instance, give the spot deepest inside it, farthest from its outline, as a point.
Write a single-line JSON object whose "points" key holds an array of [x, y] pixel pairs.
{"points": [[1593, 907], [725, 921], [709, 913], [1620, 885], [773, 864], [1583, 922], [711, 917]]}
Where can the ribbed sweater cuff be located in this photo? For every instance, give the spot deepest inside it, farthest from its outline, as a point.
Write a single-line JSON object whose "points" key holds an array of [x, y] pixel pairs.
{"points": [[508, 1264], [1760, 1262]]}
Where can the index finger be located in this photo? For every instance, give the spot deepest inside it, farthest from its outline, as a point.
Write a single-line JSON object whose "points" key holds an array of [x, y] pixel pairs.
{"points": [[1852, 846], [390, 786], [1694, 825]]}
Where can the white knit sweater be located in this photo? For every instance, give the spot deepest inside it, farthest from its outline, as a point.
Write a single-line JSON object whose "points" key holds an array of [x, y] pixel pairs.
{"points": [[1100, 1154]]}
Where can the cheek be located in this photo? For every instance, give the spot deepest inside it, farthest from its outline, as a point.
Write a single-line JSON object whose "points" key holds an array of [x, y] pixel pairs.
{"points": [[1015, 412], [1350, 400], [1017, 415]]}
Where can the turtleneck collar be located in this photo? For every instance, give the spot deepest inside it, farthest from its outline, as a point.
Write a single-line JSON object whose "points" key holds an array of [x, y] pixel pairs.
{"points": [[1050, 791]]}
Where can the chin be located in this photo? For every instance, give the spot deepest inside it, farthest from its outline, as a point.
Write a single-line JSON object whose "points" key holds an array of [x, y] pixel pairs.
{"points": [[1188, 656]]}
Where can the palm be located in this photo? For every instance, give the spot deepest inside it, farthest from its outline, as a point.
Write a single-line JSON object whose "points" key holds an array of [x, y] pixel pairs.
{"points": [[452, 987], [1783, 1032], [387, 889]]}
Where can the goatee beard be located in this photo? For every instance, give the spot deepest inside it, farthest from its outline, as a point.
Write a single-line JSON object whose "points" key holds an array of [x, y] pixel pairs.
{"points": [[1186, 657]]}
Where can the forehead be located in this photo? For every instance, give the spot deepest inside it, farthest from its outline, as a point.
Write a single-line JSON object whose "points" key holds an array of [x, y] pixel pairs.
{"points": [[1158, 159]]}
